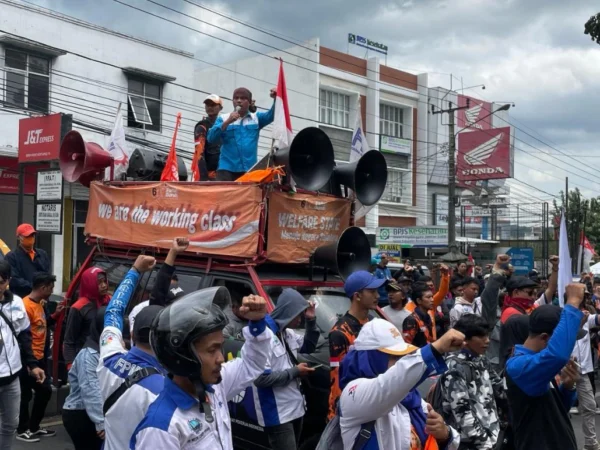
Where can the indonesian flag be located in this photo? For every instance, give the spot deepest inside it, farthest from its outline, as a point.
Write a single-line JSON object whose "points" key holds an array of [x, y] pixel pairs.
{"points": [[282, 124], [471, 265], [171, 171], [588, 253]]}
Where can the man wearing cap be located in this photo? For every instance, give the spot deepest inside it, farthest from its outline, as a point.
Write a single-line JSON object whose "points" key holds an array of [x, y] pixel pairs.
{"points": [[239, 132], [535, 399], [124, 408], [361, 287], [380, 406], [395, 311], [207, 153], [26, 260]]}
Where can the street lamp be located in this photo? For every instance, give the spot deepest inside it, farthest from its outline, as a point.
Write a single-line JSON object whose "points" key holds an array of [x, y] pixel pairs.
{"points": [[454, 253]]}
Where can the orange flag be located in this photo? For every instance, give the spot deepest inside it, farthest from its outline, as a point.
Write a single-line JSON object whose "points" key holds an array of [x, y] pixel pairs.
{"points": [[171, 171], [198, 150]]}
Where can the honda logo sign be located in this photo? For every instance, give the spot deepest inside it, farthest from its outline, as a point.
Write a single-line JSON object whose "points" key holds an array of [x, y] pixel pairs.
{"points": [[484, 155], [474, 117]]}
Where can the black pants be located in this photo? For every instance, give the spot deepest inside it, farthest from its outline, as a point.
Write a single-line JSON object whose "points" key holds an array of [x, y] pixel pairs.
{"points": [[226, 175], [285, 436], [81, 429], [43, 393]]}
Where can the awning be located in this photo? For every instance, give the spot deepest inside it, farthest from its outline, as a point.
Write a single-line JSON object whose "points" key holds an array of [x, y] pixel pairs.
{"points": [[469, 240], [148, 75], [32, 46]]}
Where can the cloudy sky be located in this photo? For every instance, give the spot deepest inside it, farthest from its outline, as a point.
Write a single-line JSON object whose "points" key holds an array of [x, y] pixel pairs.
{"points": [[530, 52]]}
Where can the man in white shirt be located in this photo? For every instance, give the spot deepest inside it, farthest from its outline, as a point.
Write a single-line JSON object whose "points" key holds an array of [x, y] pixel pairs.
{"points": [[187, 337], [398, 299], [585, 393]]}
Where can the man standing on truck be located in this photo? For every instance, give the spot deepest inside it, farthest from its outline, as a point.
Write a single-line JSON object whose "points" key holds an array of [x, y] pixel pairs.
{"points": [[209, 152], [26, 260], [383, 271], [280, 406], [239, 132], [362, 289], [131, 380]]}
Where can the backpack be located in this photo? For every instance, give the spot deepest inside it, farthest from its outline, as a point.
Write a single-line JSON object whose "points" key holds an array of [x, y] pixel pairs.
{"points": [[435, 397], [331, 439]]}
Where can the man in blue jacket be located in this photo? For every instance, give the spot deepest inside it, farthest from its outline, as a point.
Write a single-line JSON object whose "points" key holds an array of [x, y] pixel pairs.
{"points": [[26, 260], [535, 399], [383, 273], [239, 132]]}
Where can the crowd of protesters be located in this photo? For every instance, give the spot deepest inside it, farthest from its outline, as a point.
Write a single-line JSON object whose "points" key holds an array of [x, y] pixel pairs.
{"points": [[506, 360]]}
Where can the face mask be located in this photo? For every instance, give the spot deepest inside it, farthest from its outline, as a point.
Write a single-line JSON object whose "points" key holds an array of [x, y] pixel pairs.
{"points": [[28, 242]]}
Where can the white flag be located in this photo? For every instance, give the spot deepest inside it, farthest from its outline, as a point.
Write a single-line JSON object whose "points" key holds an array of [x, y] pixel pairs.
{"points": [[118, 147], [564, 265], [359, 147]]}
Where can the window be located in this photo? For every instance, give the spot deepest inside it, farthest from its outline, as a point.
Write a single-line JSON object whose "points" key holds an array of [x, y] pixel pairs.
{"points": [[143, 105], [397, 188], [335, 108], [27, 80], [390, 120]]}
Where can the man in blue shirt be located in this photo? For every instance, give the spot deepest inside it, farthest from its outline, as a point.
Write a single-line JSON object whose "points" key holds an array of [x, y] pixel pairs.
{"points": [[239, 132], [383, 273], [535, 399]]}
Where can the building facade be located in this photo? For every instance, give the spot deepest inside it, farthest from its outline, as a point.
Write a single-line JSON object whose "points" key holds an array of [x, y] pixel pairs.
{"points": [[51, 63]]}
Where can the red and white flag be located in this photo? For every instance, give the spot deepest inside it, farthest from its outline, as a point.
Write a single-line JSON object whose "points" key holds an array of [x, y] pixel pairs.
{"points": [[282, 124], [171, 170], [588, 252]]}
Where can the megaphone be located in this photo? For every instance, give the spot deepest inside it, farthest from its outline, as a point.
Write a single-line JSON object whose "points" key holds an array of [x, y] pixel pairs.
{"points": [[309, 160], [350, 253], [367, 177], [148, 165], [82, 161]]}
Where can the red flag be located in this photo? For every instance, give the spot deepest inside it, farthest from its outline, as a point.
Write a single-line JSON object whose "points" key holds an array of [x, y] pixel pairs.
{"points": [[171, 172], [282, 124], [471, 264]]}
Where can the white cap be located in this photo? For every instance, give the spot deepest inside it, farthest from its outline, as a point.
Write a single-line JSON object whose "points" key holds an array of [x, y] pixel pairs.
{"points": [[214, 98], [379, 334]]}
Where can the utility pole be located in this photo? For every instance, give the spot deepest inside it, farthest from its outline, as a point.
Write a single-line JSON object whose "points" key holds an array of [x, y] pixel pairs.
{"points": [[451, 168]]}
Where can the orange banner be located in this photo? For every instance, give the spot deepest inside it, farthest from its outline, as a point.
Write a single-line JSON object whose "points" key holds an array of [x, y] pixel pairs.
{"points": [[218, 220], [299, 223]]}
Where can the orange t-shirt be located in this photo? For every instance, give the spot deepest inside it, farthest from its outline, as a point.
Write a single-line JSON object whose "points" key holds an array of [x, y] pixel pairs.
{"points": [[37, 317]]}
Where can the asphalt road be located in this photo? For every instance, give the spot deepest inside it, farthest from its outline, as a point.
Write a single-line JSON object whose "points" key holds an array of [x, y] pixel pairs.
{"points": [[62, 442]]}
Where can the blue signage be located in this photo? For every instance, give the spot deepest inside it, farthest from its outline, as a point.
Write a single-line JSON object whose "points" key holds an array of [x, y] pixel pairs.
{"points": [[521, 259]]}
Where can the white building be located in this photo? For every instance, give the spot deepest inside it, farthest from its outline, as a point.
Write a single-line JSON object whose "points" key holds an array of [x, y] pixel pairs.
{"points": [[324, 87], [54, 63]]}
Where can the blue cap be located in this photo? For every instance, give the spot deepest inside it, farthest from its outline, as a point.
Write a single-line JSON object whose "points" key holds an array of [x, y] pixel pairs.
{"points": [[360, 280]]}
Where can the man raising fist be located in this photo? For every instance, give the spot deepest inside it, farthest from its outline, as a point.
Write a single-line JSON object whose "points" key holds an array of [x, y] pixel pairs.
{"points": [[534, 397], [187, 338]]}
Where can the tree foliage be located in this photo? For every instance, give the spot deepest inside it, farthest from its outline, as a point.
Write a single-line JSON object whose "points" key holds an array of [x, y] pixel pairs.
{"points": [[579, 209], [592, 28]]}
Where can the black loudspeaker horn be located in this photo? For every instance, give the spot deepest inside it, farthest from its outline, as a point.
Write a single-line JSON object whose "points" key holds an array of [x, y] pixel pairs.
{"points": [[350, 253], [82, 161], [367, 177], [147, 165], [309, 159]]}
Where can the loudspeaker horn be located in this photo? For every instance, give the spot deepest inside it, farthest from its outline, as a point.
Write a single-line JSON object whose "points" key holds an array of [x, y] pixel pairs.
{"points": [[82, 161], [350, 253], [309, 159], [367, 177], [147, 165]]}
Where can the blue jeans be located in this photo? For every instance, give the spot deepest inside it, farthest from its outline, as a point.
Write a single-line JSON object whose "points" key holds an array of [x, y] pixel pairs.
{"points": [[10, 399]]}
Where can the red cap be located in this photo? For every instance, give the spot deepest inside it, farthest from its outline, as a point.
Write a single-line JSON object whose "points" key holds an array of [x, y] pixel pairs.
{"points": [[25, 230]]}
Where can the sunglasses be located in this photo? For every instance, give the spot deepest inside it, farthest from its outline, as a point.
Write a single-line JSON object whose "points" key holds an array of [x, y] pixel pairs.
{"points": [[3, 281]]}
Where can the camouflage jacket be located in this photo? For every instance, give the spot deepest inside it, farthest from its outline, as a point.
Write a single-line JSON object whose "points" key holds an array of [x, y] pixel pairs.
{"points": [[470, 389]]}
